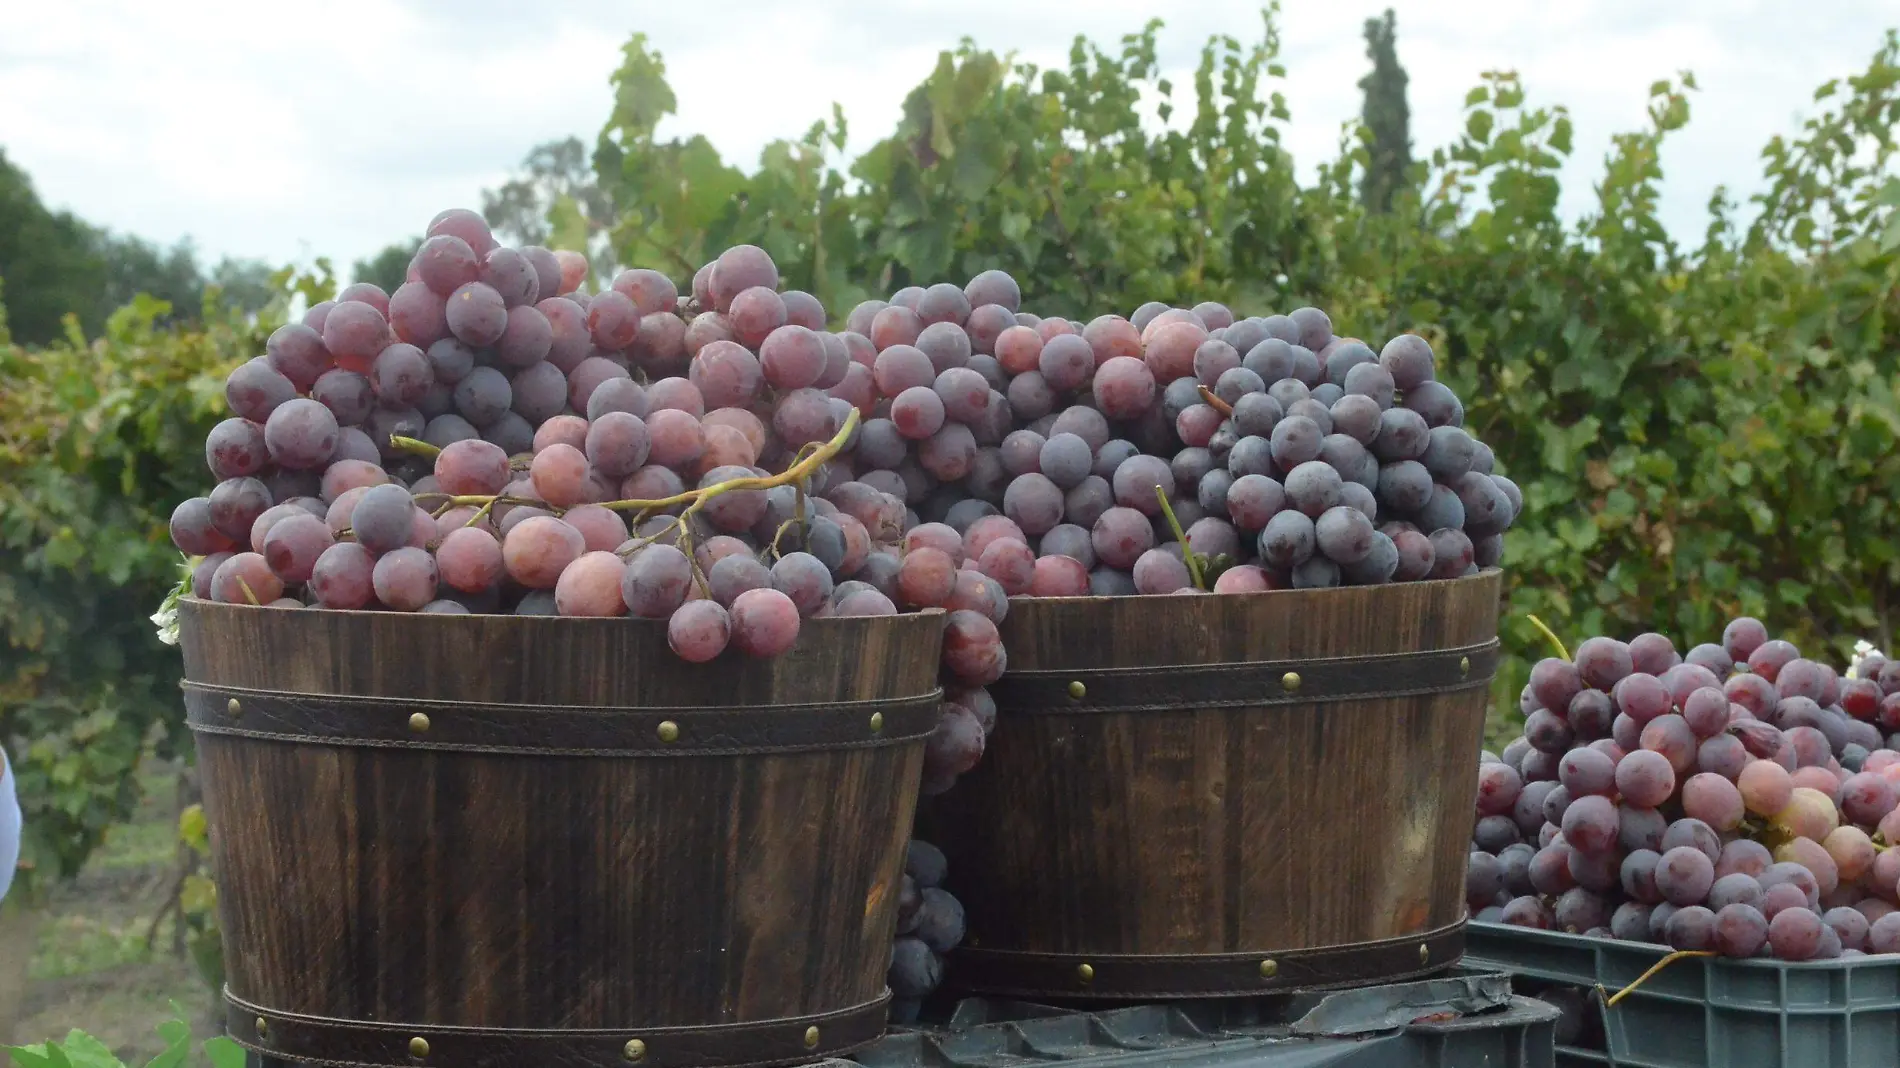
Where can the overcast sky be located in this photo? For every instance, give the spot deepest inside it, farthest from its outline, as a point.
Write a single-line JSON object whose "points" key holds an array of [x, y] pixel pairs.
{"points": [[290, 131]]}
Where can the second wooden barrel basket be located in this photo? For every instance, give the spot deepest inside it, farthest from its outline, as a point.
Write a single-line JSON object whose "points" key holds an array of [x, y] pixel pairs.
{"points": [[1225, 795], [488, 841]]}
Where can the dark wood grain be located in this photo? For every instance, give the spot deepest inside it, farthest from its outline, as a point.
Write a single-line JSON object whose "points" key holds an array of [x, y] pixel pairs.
{"points": [[525, 891], [1217, 832]]}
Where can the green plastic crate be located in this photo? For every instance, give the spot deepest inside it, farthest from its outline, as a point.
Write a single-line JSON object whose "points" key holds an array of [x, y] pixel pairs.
{"points": [[1708, 1012]]}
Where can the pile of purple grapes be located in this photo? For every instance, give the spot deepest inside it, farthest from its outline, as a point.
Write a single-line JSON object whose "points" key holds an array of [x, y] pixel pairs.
{"points": [[1739, 800], [491, 437]]}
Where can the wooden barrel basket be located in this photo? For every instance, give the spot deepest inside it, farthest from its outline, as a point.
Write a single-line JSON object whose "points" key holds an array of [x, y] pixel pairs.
{"points": [[1223, 796], [487, 841]]}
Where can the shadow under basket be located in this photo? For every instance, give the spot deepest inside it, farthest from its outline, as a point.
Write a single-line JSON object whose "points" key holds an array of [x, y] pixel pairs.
{"points": [[503, 840], [1223, 796]]}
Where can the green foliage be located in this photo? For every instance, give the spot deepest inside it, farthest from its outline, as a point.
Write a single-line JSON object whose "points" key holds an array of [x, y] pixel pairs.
{"points": [[1385, 121], [198, 900], [99, 440], [81, 1050], [1698, 432]]}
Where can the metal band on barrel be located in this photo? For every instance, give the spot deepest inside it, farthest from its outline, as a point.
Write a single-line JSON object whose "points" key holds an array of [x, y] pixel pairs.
{"points": [[1071, 975], [321, 1040], [1256, 683], [555, 730]]}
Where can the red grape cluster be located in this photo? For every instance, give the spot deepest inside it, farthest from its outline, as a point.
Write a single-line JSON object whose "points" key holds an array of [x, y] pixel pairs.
{"points": [[1737, 800], [492, 438]]}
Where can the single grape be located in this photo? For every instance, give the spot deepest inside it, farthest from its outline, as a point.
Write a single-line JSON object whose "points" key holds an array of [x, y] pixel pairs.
{"points": [[698, 631], [405, 579]]}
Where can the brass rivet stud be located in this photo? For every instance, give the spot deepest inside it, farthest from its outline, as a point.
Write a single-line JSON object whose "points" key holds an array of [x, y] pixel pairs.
{"points": [[1077, 690], [419, 723], [811, 1037], [1084, 972], [634, 1050], [877, 723], [233, 707], [1290, 681], [1269, 969], [418, 1047], [669, 731], [1464, 665], [1424, 953], [263, 1027]]}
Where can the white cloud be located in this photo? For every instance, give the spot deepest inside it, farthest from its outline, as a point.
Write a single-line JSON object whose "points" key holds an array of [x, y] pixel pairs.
{"points": [[259, 132]]}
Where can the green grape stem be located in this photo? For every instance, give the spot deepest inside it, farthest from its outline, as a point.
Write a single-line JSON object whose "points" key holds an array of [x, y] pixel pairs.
{"points": [[694, 499], [1187, 552], [411, 445], [1552, 635]]}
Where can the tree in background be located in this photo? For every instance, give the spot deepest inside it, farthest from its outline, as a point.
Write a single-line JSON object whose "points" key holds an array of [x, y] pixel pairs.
{"points": [[49, 266], [556, 202], [1385, 119]]}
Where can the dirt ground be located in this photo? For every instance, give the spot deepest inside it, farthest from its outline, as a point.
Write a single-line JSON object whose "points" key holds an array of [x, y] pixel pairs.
{"points": [[97, 963]]}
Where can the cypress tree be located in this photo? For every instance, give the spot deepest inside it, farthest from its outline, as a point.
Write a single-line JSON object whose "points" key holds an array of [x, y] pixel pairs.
{"points": [[1385, 115]]}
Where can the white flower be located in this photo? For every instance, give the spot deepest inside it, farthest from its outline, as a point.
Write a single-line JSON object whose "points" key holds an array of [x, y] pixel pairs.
{"points": [[1863, 649], [166, 620]]}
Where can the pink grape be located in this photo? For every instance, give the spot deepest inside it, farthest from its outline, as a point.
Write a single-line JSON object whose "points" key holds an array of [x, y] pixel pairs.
{"points": [[1740, 931], [726, 374], [445, 263], [1010, 562], [1795, 934], [1062, 576], [1590, 824], [1160, 571], [792, 357], [698, 631], [471, 468], [1499, 787], [355, 331], [926, 577], [1645, 778], [1866, 798], [956, 744], [1714, 800], [245, 578], [764, 622], [1641, 697], [602, 529], [537, 550], [1586, 771], [1670, 735], [651, 291], [590, 586], [1744, 856], [301, 434], [343, 576], [405, 578], [1706, 711], [560, 475], [972, 648], [469, 560], [804, 579], [738, 269], [292, 547], [656, 582], [917, 412], [1684, 875]]}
